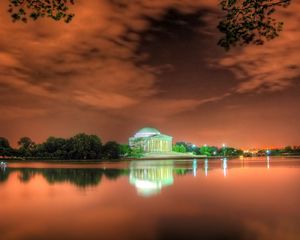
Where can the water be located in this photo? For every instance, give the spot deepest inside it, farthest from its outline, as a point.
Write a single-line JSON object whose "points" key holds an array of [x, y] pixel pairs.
{"points": [[192, 199]]}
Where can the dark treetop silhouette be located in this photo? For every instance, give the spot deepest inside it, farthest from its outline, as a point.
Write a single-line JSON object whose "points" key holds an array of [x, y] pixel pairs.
{"points": [[21, 10], [249, 21], [243, 22]]}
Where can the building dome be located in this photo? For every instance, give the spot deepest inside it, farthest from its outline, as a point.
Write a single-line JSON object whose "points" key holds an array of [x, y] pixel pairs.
{"points": [[146, 132], [151, 140]]}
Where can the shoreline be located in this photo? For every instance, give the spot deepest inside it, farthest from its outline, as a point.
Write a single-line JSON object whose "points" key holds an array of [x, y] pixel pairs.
{"points": [[93, 161]]}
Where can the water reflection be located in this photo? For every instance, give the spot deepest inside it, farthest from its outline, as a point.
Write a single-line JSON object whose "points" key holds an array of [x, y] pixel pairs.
{"points": [[195, 165], [206, 167], [268, 162], [196, 201], [149, 179], [79, 177], [4, 174], [224, 166]]}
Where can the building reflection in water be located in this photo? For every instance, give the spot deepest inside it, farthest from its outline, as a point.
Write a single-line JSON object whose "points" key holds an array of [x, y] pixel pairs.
{"points": [[149, 178]]}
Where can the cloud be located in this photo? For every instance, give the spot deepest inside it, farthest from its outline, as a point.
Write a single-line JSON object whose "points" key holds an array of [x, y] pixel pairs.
{"points": [[104, 100], [160, 110], [87, 62], [273, 66], [11, 112], [90, 75]]}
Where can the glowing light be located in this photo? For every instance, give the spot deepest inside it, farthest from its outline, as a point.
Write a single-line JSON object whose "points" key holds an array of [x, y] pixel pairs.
{"points": [[206, 167], [225, 167], [147, 185], [148, 179], [195, 168]]}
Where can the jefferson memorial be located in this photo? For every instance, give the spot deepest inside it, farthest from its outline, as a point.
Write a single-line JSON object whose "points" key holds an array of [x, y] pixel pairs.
{"points": [[151, 140]]}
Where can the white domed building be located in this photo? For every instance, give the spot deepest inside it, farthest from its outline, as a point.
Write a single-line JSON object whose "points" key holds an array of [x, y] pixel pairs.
{"points": [[151, 140]]}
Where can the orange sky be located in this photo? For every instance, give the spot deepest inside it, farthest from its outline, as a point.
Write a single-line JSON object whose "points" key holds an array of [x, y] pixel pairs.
{"points": [[113, 70]]}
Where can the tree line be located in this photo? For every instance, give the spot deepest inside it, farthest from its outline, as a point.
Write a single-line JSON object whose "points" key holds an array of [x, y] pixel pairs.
{"points": [[79, 147], [286, 151], [184, 147], [90, 147]]}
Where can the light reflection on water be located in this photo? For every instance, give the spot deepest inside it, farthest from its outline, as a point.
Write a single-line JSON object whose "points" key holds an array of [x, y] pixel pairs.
{"points": [[181, 199], [148, 178]]}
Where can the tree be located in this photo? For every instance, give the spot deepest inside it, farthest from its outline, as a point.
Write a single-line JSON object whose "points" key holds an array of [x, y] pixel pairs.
{"points": [[5, 148], [136, 152], [175, 148], [179, 148], [249, 21], [230, 151], [125, 149], [83, 146], [182, 149], [208, 150], [275, 152], [21, 10], [53, 147], [111, 150], [26, 147], [243, 22], [287, 149]]}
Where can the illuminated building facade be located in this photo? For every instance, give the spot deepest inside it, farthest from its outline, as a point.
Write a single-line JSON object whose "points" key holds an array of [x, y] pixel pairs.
{"points": [[151, 140]]}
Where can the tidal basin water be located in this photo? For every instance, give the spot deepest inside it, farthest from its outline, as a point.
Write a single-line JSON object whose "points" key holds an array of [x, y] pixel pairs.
{"points": [[247, 199]]}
